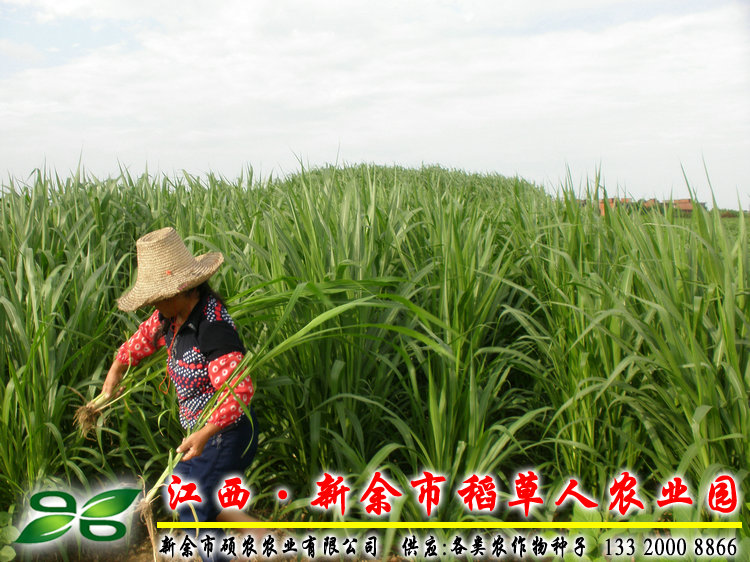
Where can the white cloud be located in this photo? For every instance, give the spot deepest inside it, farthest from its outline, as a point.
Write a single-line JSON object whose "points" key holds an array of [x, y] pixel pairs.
{"points": [[20, 52], [464, 84]]}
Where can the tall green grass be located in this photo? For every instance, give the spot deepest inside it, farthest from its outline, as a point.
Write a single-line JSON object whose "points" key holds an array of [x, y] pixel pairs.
{"points": [[641, 331], [497, 328]]}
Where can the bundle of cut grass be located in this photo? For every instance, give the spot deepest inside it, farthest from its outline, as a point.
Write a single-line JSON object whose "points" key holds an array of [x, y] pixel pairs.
{"points": [[88, 414]]}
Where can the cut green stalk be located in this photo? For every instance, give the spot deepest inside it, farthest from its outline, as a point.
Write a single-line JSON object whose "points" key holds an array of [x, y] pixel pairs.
{"points": [[144, 508]]}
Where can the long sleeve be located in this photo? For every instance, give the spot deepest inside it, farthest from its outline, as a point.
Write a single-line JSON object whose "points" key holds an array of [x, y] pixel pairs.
{"points": [[141, 343], [220, 370]]}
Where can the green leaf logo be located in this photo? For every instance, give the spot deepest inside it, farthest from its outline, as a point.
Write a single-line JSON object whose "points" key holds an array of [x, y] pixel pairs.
{"points": [[95, 512], [118, 529], [46, 528], [68, 501], [110, 503]]}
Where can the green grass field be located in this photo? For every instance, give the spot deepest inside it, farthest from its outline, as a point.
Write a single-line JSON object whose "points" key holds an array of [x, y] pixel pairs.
{"points": [[397, 319]]}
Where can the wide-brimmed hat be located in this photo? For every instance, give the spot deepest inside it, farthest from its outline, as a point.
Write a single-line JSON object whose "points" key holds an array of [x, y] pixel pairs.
{"points": [[165, 268]]}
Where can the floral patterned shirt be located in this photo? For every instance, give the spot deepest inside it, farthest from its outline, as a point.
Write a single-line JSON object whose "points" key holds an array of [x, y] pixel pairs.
{"points": [[202, 355]]}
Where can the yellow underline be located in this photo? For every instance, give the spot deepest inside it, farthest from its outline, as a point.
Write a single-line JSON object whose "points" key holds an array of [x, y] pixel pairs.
{"points": [[451, 525]]}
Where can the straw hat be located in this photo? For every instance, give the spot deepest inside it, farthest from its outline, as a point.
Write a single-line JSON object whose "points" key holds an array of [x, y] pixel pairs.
{"points": [[165, 268]]}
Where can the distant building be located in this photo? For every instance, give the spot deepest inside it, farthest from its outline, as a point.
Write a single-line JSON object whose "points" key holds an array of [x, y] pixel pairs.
{"points": [[612, 201], [683, 206]]}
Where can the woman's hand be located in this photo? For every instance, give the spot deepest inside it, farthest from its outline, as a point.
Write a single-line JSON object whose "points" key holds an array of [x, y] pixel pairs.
{"points": [[110, 392], [111, 387], [193, 444]]}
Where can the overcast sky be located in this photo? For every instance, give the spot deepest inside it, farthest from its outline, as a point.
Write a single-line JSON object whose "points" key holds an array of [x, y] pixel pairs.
{"points": [[640, 89]]}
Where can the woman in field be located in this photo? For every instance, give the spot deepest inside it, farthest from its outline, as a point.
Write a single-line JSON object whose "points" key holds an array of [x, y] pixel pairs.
{"points": [[203, 351]]}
